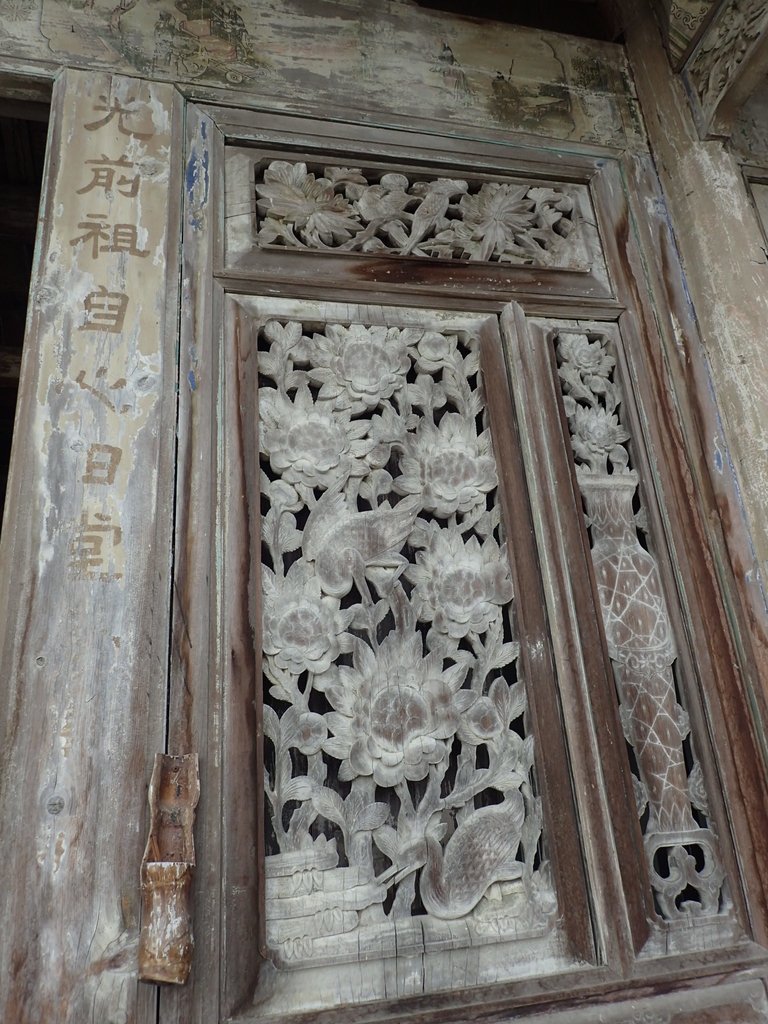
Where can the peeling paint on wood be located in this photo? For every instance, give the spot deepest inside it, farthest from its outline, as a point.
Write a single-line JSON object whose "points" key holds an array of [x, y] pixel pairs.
{"points": [[464, 70]]}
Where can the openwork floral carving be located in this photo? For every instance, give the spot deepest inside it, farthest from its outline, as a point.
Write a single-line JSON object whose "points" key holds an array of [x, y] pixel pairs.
{"points": [[685, 869], [398, 763], [343, 209]]}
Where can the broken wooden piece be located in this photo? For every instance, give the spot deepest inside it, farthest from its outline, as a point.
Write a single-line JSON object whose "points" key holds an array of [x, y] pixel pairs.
{"points": [[166, 942]]}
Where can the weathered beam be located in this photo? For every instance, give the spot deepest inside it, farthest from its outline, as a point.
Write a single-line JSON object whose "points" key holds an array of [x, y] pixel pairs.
{"points": [[85, 558]]}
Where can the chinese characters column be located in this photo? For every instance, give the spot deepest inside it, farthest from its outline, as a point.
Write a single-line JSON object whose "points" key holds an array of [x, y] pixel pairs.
{"points": [[86, 553]]}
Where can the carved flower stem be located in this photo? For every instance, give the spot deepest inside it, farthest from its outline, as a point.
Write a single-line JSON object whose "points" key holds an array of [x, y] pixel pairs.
{"points": [[360, 851]]}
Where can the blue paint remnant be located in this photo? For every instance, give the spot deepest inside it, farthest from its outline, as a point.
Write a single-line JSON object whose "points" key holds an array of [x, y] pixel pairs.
{"points": [[192, 380], [718, 458], [197, 179], [191, 175]]}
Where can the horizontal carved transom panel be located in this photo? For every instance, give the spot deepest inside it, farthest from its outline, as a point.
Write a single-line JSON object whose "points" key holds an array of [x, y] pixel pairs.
{"points": [[400, 800], [347, 209]]}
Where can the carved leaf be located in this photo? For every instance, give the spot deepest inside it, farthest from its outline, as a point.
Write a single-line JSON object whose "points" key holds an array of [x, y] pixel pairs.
{"points": [[328, 803], [371, 817], [387, 840]]}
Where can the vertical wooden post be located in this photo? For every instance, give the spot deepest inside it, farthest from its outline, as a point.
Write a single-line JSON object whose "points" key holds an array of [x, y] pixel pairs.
{"points": [[85, 556]]}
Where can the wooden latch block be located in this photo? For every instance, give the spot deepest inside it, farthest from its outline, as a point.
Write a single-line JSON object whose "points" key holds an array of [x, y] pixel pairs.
{"points": [[166, 942]]}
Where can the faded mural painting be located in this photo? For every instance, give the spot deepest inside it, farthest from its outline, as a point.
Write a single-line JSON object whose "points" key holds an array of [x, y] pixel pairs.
{"points": [[463, 71]]}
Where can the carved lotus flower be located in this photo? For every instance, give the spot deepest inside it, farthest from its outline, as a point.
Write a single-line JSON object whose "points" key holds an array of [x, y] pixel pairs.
{"points": [[311, 205], [310, 442], [449, 465], [460, 585], [358, 367], [395, 710], [597, 438], [304, 629]]}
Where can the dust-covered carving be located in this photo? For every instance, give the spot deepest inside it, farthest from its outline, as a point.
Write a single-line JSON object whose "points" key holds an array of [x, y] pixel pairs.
{"points": [[344, 210], [685, 870], [723, 48], [398, 758]]}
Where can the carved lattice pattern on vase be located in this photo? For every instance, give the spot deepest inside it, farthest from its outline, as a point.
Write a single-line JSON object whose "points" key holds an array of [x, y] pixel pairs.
{"points": [[398, 763], [344, 210], [685, 869]]}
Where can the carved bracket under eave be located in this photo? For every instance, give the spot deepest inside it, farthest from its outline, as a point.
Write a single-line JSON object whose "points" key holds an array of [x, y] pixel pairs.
{"points": [[166, 942], [727, 65]]}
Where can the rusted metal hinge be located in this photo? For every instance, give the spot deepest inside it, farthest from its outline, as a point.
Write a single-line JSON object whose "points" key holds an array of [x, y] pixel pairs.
{"points": [[166, 942]]}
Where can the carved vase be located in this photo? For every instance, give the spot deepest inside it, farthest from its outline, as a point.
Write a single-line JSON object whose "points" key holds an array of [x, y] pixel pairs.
{"points": [[641, 647]]}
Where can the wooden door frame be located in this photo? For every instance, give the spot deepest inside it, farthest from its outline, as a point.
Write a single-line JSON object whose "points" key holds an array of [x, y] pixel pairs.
{"points": [[645, 305]]}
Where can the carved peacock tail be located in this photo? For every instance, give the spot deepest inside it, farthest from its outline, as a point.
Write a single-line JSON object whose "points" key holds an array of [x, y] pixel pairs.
{"points": [[480, 852]]}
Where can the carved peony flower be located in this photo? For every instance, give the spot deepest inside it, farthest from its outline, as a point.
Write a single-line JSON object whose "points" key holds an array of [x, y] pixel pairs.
{"points": [[358, 367], [481, 722], [434, 351], [460, 585], [597, 438], [394, 710], [311, 732], [311, 443], [495, 217], [304, 629], [503, 221], [450, 466], [312, 206], [589, 358]]}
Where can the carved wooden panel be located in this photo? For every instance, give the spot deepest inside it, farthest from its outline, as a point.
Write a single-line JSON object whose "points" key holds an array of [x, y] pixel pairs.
{"points": [[404, 818], [398, 757], [339, 212], [387, 212], [686, 871]]}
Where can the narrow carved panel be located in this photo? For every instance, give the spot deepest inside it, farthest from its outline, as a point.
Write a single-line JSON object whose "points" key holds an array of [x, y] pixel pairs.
{"points": [[400, 799], [686, 874], [345, 210]]}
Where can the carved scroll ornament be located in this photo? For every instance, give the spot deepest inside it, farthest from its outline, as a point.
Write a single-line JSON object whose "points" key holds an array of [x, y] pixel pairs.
{"points": [[342, 209], [724, 49], [685, 869], [398, 766]]}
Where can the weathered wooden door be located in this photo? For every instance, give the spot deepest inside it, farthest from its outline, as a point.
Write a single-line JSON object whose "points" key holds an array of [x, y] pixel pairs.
{"points": [[444, 636]]}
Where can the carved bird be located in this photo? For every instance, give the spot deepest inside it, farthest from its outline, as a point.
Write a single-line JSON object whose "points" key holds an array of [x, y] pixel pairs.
{"points": [[345, 543], [432, 209], [480, 852]]}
